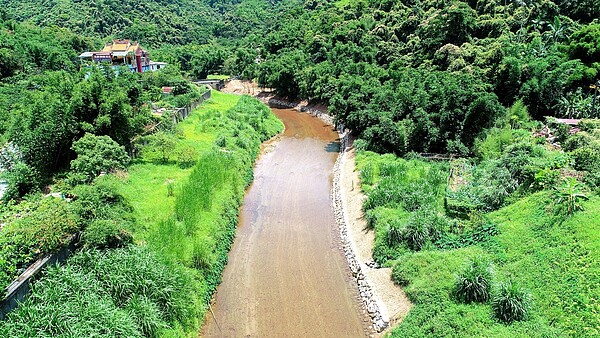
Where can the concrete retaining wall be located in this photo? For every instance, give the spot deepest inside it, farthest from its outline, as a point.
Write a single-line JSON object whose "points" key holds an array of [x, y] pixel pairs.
{"points": [[18, 290]]}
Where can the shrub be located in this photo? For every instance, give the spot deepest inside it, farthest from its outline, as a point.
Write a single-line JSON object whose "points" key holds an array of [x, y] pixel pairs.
{"points": [[160, 147], [473, 284], [511, 303], [587, 158], [101, 201], [34, 227], [186, 156], [97, 154], [404, 270], [568, 197], [104, 233], [517, 115], [360, 144], [21, 179], [578, 140], [517, 159]]}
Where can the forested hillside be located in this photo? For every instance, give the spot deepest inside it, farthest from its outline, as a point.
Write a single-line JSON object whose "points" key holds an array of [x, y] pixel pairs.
{"points": [[431, 75], [394, 72]]}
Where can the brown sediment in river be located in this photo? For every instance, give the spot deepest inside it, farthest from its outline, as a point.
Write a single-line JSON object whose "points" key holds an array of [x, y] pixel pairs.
{"points": [[286, 275]]}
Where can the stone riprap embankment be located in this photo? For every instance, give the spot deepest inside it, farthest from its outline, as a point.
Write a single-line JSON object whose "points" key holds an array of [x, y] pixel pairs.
{"points": [[367, 295]]}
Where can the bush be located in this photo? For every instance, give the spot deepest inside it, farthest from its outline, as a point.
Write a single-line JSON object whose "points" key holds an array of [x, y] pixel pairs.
{"points": [[473, 284], [587, 159], [103, 234], [34, 227], [101, 201], [186, 156], [97, 154], [568, 197], [160, 147], [21, 179], [511, 303]]}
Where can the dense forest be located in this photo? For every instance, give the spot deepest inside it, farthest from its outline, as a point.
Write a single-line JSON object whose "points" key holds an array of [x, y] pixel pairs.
{"points": [[475, 79], [394, 72]]}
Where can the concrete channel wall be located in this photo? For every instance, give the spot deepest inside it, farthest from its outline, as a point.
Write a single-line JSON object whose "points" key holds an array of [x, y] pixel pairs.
{"points": [[18, 290]]}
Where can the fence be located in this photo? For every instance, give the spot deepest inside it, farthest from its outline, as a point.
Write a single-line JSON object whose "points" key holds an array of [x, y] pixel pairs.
{"points": [[181, 114], [178, 115]]}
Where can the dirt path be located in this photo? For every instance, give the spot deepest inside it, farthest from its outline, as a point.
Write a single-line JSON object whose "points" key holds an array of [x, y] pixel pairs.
{"points": [[286, 276], [391, 299]]}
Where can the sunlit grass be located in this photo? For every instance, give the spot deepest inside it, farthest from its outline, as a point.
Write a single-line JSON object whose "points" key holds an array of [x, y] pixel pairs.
{"points": [[218, 77], [145, 186]]}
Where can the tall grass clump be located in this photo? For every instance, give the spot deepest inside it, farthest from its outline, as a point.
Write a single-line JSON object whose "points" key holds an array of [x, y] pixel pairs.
{"points": [[211, 172], [367, 174], [407, 184], [127, 292], [473, 283], [511, 303]]}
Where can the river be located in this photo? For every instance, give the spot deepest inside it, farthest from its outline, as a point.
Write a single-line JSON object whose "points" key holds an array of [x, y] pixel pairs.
{"points": [[286, 275]]}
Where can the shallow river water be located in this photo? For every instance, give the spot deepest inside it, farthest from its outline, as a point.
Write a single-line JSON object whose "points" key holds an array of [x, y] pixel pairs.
{"points": [[286, 276]]}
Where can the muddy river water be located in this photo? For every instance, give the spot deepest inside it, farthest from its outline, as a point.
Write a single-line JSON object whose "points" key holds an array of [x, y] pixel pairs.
{"points": [[286, 276]]}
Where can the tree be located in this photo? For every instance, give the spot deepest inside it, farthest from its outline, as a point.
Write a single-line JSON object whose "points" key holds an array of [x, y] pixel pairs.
{"points": [[162, 144], [97, 154]]}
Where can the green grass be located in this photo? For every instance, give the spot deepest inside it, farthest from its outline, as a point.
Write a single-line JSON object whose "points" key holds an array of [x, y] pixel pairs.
{"points": [[116, 293], [145, 186], [558, 263]]}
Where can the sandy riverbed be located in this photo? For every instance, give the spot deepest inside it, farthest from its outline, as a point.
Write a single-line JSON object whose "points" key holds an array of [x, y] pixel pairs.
{"points": [[391, 300]]}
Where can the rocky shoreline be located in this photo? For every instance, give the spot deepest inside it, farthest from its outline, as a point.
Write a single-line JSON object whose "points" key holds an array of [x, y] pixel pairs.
{"points": [[379, 323]]}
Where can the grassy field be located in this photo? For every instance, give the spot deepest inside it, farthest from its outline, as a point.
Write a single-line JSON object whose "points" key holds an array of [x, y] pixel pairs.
{"points": [[556, 261], [145, 185], [195, 226]]}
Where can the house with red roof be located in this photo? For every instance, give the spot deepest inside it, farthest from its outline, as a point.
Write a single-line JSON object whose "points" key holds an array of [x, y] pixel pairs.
{"points": [[123, 53]]}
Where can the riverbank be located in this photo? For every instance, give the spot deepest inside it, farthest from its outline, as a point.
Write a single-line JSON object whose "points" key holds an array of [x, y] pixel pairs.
{"points": [[385, 302]]}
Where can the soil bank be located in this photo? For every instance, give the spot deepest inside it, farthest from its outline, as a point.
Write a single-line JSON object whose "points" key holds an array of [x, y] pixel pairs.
{"points": [[286, 275]]}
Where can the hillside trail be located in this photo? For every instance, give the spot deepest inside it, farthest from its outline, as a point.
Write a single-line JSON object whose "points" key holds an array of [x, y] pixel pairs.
{"points": [[286, 275]]}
